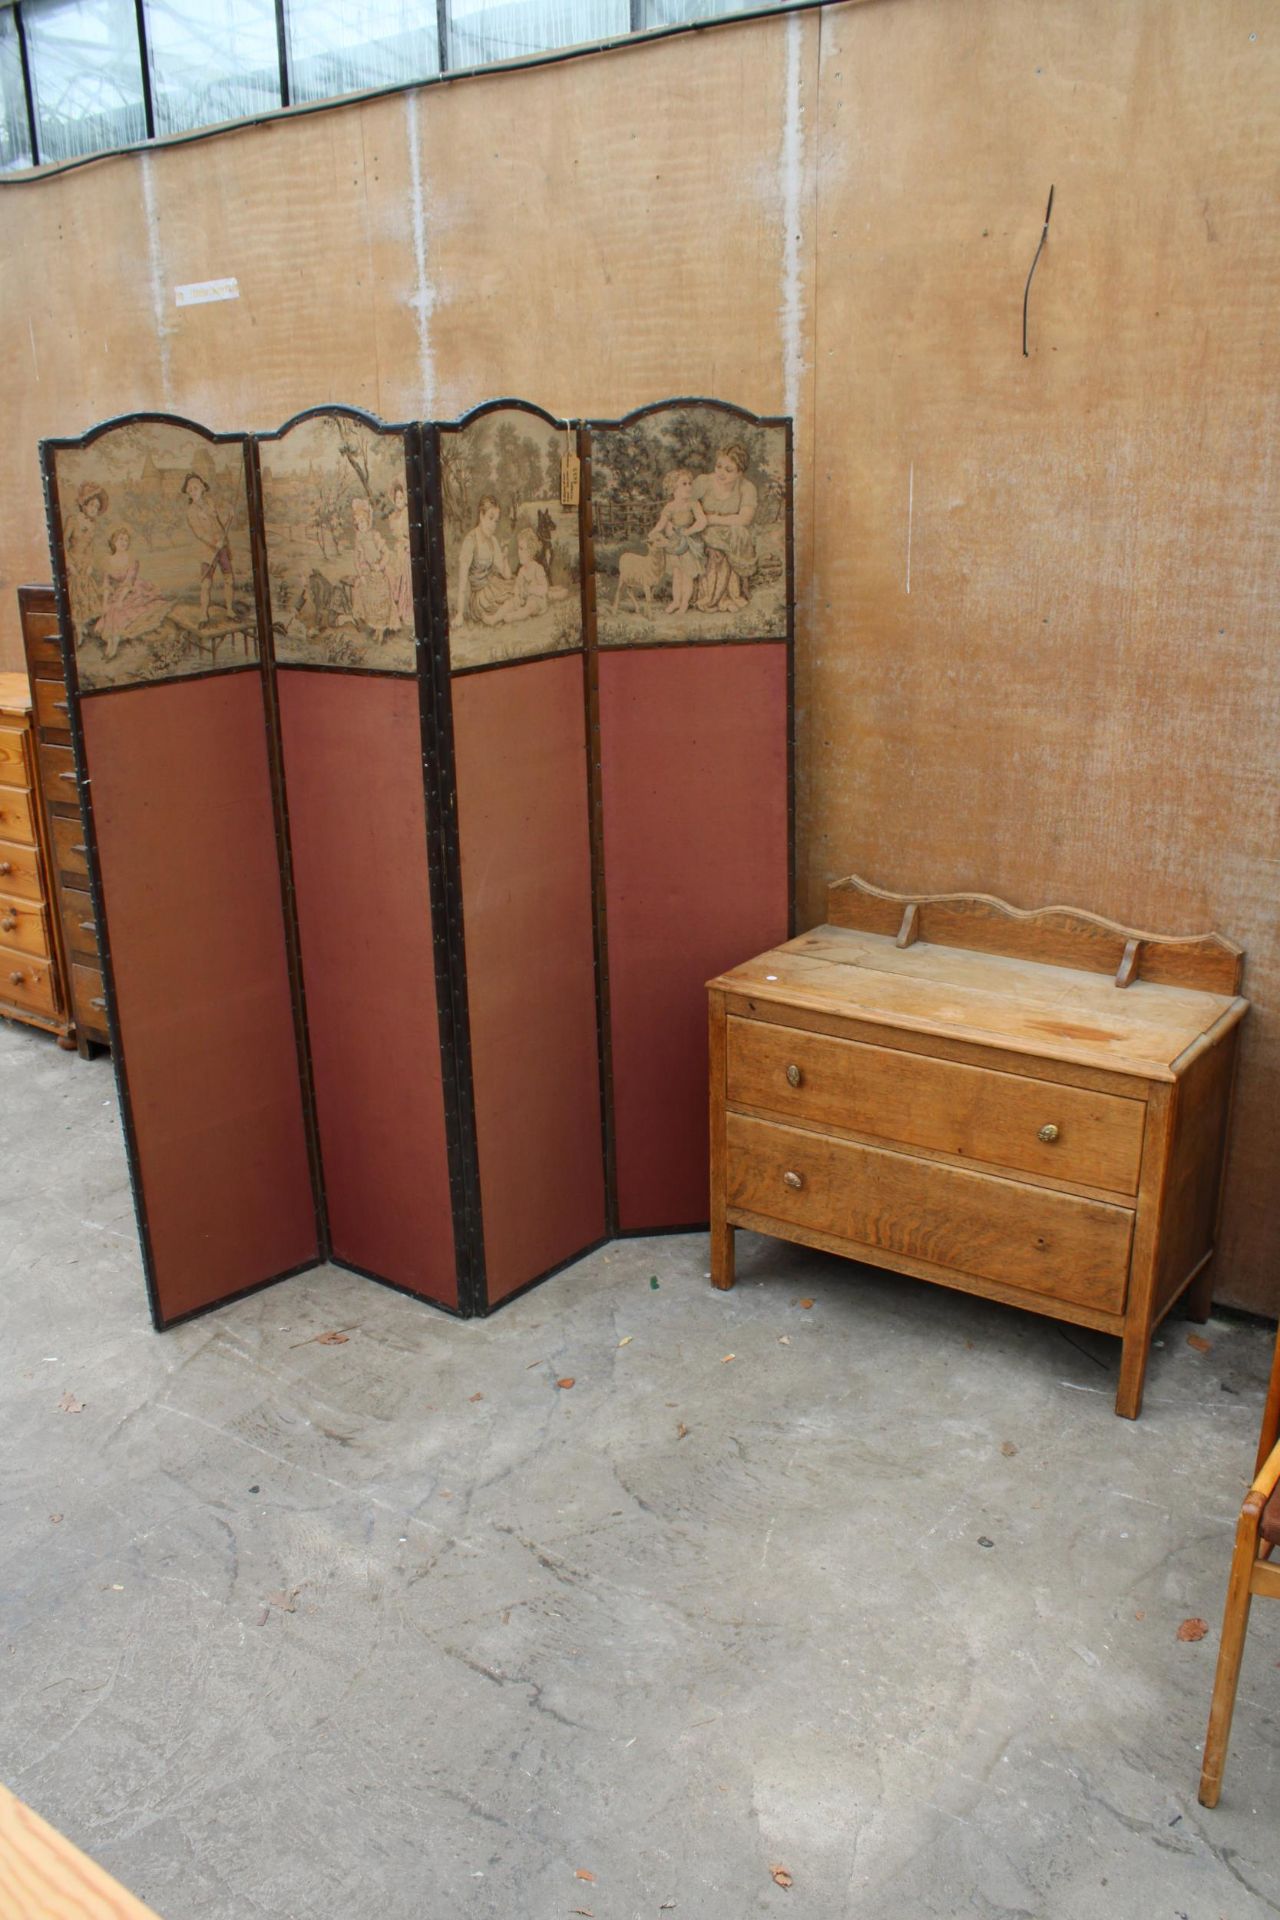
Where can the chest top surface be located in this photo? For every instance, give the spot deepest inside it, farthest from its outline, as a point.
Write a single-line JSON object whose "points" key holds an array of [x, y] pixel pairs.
{"points": [[15, 693], [1023, 1006]]}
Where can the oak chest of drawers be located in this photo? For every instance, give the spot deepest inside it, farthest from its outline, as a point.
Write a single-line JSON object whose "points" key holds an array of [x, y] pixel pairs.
{"points": [[1032, 1107]]}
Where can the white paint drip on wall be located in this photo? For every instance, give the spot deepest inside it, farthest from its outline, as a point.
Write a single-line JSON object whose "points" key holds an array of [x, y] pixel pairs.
{"points": [[423, 300], [791, 313], [911, 514], [155, 267], [35, 359]]}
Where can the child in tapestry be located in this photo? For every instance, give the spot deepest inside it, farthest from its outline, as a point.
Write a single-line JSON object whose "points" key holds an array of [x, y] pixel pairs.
{"points": [[211, 532], [678, 526]]}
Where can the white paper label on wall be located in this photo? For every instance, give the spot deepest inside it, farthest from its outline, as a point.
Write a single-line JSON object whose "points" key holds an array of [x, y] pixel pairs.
{"points": [[199, 292]]}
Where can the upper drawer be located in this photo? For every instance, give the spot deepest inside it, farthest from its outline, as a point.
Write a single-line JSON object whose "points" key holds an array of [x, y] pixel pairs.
{"points": [[996, 1118], [15, 815], [43, 649], [20, 871], [52, 707], [13, 758]]}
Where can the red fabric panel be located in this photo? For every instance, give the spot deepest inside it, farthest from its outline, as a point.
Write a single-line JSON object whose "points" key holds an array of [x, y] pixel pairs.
{"points": [[357, 827], [520, 742], [694, 754], [186, 840]]}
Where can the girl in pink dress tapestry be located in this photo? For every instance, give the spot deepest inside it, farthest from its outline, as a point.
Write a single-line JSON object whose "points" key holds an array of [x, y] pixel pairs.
{"points": [[131, 607]]}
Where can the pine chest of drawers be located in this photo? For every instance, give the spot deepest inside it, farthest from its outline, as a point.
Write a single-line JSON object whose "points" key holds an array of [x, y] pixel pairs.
{"points": [[30, 978], [70, 900], [1032, 1107]]}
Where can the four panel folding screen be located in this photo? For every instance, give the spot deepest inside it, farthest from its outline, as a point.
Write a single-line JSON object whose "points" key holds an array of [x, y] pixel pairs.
{"points": [[428, 774]]}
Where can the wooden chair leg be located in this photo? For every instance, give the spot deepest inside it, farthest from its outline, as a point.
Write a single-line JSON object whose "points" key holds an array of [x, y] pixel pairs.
{"points": [[1235, 1624], [1271, 1412]]}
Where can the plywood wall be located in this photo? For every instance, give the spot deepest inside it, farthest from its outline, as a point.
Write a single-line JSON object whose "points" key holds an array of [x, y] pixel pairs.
{"points": [[1037, 623]]}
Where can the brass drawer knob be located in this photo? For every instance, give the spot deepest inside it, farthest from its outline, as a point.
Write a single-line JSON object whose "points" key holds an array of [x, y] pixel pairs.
{"points": [[794, 1075], [16, 977], [1048, 1134], [99, 1003], [71, 778], [78, 846], [88, 926], [9, 922], [793, 1180], [6, 866]]}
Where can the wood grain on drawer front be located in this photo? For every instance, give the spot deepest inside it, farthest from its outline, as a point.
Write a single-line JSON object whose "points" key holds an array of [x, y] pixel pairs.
{"points": [[13, 758], [939, 1105], [20, 871], [23, 925], [26, 981], [70, 846], [1049, 1243], [15, 816]]}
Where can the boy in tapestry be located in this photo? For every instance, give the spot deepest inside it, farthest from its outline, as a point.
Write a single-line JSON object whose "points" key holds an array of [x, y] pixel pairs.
{"points": [[210, 530]]}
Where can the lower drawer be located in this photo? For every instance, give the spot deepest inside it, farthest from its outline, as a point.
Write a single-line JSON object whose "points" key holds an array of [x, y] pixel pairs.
{"points": [[27, 982], [88, 1002], [70, 850], [23, 925], [20, 871], [79, 928], [1050, 1243], [58, 773]]}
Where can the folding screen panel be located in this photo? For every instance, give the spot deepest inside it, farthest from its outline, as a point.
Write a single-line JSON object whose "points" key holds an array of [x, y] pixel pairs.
{"points": [[150, 522], [691, 605], [342, 528], [506, 564], [421, 806]]}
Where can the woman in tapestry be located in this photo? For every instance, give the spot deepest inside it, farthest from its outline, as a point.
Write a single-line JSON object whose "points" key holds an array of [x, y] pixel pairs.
{"points": [[131, 607], [372, 599], [485, 586], [81, 543], [401, 580], [728, 499]]}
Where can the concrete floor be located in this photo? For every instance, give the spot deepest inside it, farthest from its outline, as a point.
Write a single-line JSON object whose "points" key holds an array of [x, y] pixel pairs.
{"points": [[839, 1573]]}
